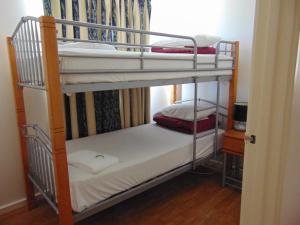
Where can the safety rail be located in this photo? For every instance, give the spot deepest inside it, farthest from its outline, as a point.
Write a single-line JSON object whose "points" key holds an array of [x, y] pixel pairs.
{"points": [[41, 169], [28, 49], [27, 43]]}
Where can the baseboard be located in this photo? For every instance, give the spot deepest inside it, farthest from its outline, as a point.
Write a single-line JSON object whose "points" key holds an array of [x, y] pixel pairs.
{"points": [[16, 206], [13, 206]]}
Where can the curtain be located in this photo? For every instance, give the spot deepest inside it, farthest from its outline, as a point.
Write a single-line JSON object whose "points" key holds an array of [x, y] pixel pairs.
{"points": [[176, 93], [102, 111]]}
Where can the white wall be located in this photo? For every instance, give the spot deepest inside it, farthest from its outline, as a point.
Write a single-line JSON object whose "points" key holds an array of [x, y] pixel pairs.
{"points": [[160, 97], [11, 188], [291, 188], [230, 19]]}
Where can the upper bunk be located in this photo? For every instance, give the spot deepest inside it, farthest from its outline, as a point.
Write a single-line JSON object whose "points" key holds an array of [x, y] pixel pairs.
{"points": [[91, 65]]}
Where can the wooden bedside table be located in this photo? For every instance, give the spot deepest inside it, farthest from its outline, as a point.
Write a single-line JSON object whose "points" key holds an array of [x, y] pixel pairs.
{"points": [[233, 148]]}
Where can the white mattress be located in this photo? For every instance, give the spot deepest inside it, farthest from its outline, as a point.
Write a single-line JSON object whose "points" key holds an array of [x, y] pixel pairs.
{"points": [[80, 59], [144, 152]]}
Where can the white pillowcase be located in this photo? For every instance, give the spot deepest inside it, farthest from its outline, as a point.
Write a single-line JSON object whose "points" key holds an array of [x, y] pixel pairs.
{"points": [[185, 111], [202, 40], [87, 45], [206, 40]]}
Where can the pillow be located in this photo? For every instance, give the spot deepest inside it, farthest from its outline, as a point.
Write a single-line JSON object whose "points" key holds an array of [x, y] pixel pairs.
{"points": [[184, 126], [87, 45], [200, 50], [206, 40], [185, 111], [201, 40]]}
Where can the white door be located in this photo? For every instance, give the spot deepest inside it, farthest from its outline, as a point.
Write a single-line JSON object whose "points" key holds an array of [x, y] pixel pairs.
{"points": [[275, 44], [290, 203]]}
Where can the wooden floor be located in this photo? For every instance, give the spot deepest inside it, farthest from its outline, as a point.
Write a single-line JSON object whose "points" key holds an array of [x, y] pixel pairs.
{"points": [[186, 200]]}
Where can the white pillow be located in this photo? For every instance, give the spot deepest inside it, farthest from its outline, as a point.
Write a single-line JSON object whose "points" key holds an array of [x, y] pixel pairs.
{"points": [[87, 45], [185, 111], [206, 40], [201, 40]]}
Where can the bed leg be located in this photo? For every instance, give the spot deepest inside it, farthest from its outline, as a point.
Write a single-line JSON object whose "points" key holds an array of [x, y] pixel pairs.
{"points": [[56, 118], [195, 124], [21, 121], [233, 87]]}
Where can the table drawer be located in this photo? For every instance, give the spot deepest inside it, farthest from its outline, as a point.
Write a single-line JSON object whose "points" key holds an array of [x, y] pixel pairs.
{"points": [[234, 145]]}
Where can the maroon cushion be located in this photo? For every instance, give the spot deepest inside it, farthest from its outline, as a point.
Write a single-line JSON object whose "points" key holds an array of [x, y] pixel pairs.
{"points": [[200, 50], [183, 125]]}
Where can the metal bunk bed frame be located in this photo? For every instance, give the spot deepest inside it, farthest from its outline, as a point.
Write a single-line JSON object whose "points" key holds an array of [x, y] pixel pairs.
{"points": [[33, 51]]}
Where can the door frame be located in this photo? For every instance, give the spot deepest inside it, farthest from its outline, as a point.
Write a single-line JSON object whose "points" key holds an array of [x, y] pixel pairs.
{"points": [[276, 36]]}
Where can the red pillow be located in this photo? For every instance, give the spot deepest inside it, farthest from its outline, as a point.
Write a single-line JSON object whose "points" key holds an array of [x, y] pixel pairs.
{"points": [[200, 50], [184, 125]]}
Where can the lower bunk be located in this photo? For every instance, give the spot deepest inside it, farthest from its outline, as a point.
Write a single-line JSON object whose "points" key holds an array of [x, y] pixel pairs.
{"points": [[146, 155]]}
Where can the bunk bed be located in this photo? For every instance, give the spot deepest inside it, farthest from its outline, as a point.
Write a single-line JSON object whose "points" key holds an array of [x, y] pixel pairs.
{"points": [[39, 60]]}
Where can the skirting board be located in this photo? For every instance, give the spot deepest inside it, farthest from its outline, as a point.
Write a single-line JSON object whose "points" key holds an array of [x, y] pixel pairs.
{"points": [[13, 206]]}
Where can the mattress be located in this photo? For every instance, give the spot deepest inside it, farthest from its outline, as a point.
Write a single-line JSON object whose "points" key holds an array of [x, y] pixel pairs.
{"points": [[144, 152], [78, 65]]}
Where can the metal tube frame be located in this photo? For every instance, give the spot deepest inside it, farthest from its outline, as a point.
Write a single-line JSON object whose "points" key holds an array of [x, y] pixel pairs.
{"points": [[40, 162], [217, 119], [195, 124]]}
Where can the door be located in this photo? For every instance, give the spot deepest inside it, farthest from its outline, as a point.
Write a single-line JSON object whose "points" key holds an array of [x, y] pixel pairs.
{"points": [[275, 44]]}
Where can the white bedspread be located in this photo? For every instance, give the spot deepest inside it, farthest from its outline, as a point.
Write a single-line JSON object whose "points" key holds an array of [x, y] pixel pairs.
{"points": [[144, 152]]}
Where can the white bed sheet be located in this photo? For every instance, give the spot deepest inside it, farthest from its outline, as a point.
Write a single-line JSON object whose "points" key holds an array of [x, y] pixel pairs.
{"points": [[144, 152], [80, 59]]}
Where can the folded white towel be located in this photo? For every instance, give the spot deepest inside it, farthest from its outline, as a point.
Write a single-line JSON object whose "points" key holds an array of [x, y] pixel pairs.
{"points": [[91, 161]]}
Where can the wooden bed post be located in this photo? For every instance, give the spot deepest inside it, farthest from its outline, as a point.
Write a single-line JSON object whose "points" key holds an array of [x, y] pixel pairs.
{"points": [[233, 87], [21, 121], [56, 118]]}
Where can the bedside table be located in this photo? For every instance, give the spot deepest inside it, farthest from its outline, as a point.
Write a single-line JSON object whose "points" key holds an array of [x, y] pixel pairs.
{"points": [[233, 148]]}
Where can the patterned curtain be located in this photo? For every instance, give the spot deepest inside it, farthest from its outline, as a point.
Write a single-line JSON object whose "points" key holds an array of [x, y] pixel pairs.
{"points": [[102, 111]]}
